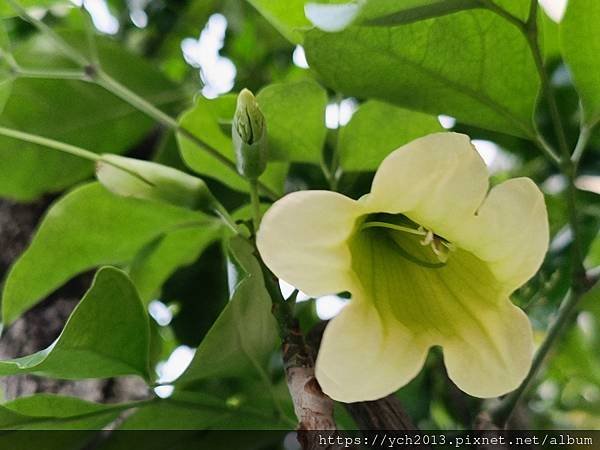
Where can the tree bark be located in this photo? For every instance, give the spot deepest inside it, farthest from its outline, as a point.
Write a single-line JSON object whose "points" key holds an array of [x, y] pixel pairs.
{"points": [[384, 414]]}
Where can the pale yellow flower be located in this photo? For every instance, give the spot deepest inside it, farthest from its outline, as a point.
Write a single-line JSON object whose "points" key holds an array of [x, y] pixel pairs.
{"points": [[430, 258]]}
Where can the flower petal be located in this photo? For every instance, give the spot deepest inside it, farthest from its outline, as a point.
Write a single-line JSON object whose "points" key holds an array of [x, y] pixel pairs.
{"points": [[494, 352], [302, 239], [437, 181], [510, 232], [360, 359]]}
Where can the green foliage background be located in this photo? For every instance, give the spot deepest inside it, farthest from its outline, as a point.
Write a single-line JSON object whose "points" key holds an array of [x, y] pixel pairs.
{"points": [[403, 63]]}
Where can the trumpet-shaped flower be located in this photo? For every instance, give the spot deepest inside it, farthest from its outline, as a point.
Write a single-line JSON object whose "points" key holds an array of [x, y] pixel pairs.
{"points": [[430, 258]]}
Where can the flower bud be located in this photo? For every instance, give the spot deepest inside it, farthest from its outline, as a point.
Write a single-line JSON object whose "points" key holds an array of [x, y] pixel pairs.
{"points": [[249, 134], [130, 177]]}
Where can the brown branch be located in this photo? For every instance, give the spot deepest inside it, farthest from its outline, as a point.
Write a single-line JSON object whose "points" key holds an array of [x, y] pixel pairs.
{"points": [[313, 408], [383, 414]]}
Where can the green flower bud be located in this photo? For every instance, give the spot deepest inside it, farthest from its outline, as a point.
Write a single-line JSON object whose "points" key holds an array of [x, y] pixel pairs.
{"points": [[130, 177], [249, 134]]}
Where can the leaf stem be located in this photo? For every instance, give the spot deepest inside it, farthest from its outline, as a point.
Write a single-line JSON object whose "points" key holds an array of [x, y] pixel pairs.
{"points": [[50, 143], [255, 202], [567, 164], [63, 46], [90, 36], [77, 75], [585, 133], [493, 7]]}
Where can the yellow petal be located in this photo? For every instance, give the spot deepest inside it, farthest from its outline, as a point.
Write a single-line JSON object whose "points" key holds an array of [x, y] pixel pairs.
{"points": [[360, 359], [493, 352], [437, 181], [302, 239], [510, 232]]}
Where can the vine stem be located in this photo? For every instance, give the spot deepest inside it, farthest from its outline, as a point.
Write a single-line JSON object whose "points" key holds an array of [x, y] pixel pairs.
{"points": [[568, 166], [94, 73]]}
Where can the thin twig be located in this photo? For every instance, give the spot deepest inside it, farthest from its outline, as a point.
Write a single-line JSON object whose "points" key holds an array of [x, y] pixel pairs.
{"points": [[93, 72], [313, 408]]}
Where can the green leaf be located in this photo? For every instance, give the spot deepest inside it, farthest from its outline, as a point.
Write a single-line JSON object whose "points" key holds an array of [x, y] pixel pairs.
{"points": [[245, 334], [295, 116], [161, 257], [210, 120], [473, 65], [580, 39], [49, 411], [74, 112], [107, 335], [87, 228], [376, 129]]}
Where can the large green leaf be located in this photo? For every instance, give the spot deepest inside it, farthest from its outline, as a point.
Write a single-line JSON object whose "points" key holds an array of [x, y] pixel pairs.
{"points": [[159, 259], [107, 335], [473, 65], [295, 115], [87, 228], [210, 121], [75, 112], [245, 334], [580, 39], [378, 128], [48, 411]]}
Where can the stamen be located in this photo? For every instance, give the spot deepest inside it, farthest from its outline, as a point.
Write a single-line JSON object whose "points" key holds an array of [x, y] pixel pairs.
{"points": [[441, 253], [439, 246], [428, 238], [392, 226]]}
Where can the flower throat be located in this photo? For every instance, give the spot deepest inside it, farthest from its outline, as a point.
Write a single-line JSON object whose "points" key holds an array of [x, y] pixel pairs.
{"points": [[398, 223]]}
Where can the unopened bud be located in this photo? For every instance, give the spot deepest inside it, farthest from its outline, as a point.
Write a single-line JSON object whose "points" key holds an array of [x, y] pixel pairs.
{"points": [[130, 177], [249, 134]]}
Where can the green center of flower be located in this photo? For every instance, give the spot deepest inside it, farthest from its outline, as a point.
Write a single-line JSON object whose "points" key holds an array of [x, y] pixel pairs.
{"points": [[404, 276], [439, 246]]}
